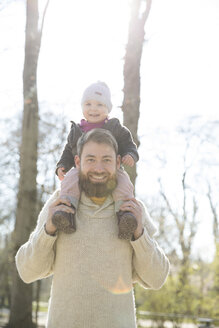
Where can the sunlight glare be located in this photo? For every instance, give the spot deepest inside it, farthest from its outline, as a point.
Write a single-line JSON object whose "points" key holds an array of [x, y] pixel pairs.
{"points": [[79, 41]]}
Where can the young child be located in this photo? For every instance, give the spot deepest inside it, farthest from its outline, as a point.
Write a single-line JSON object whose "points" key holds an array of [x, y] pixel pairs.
{"points": [[96, 106]]}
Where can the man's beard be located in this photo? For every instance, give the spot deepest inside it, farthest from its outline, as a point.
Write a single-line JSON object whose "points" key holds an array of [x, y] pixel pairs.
{"points": [[99, 189]]}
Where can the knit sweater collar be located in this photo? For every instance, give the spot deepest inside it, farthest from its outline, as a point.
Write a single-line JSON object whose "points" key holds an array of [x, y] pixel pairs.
{"points": [[95, 210]]}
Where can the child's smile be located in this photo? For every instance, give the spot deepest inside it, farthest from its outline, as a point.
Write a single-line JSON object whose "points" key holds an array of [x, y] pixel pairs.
{"points": [[95, 111]]}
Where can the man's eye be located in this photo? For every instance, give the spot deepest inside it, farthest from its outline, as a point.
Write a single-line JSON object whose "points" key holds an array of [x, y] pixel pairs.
{"points": [[90, 160], [107, 160]]}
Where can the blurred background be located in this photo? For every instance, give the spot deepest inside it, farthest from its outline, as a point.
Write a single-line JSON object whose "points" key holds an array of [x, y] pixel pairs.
{"points": [[160, 60]]}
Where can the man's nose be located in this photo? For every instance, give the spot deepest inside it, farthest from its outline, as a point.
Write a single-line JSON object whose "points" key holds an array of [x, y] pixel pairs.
{"points": [[99, 167], [94, 107]]}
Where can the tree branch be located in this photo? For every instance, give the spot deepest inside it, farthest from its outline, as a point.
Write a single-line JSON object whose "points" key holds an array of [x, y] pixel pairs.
{"points": [[215, 216], [145, 14], [43, 19], [175, 216]]}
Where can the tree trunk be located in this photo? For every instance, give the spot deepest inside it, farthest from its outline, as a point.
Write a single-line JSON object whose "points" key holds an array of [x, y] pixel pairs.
{"points": [[21, 307], [131, 72]]}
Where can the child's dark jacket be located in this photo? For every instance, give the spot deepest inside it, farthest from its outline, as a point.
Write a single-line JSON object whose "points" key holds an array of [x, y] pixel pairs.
{"points": [[122, 135]]}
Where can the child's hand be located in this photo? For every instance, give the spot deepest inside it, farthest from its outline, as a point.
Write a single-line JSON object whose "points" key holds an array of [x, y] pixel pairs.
{"points": [[61, 173], [128, 160]]}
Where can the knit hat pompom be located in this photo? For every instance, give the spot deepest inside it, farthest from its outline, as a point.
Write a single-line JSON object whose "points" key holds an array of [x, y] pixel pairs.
{"points": [[98, 91]]}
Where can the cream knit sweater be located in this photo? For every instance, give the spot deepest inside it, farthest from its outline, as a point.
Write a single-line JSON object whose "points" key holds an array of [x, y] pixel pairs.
{"points": [[93, 271]]}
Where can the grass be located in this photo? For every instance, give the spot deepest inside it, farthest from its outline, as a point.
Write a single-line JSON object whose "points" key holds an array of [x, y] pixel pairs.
{"points": [[43, 307]]}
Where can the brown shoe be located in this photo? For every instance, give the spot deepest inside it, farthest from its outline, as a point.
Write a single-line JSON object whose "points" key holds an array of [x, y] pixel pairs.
{"points": [[64, 221], [127, 225]]}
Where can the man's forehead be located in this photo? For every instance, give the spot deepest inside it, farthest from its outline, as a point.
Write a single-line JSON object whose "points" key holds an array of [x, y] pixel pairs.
{"points": [[92, 148]]}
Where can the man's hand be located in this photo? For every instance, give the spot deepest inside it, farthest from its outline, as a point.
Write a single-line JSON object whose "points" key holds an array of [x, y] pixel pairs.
{"points": [[55, 206], [133, 206], [128, 160], [61, 173]]}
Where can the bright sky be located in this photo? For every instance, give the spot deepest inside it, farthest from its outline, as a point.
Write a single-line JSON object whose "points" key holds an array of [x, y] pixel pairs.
{"points": [[84, 41]]}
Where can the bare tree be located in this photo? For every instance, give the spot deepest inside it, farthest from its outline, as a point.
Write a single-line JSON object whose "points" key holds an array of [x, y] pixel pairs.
{"points": [[183, 221], [53, 130], [215, 287], [186, 224], [139, 13], [215, 215], [5, 293], [21, 307]]}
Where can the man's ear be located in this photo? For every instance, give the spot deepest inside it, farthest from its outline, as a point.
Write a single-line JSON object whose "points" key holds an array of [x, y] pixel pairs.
{"points": [[118, 161], [77, 161]]}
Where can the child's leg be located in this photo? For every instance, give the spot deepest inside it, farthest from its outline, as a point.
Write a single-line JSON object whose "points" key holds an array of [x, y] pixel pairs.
{"points": [[69, 190], [70, 187], [126, 220], [124, 188]]}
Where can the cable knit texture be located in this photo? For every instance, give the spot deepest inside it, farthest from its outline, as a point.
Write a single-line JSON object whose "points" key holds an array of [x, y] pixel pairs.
{"points": [[93, 269]]}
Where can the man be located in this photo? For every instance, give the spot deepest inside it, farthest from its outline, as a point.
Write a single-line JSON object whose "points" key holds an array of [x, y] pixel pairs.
{"points": [[93, 270]]}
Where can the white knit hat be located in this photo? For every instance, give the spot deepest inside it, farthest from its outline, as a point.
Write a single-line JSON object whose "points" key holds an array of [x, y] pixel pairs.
{"points": [[98, 91]]}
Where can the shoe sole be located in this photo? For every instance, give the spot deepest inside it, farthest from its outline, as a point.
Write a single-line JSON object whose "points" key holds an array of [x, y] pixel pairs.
{"points": [[127, 226], [64, 221]]}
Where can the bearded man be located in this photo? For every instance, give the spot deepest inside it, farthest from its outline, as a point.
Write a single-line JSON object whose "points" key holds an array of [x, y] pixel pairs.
{"points": [[93, 270]]}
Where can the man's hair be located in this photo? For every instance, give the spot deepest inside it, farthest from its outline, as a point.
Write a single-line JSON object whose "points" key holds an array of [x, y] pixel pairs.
{"points": [[100, 136]]}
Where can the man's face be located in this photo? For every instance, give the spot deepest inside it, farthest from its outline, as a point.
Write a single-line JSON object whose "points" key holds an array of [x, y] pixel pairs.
{"points": [[97, 165]]}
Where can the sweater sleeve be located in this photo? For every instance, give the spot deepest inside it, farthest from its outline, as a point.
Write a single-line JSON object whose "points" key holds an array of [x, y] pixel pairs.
{"points": [[126, 144], [35, 259], [150, 264], [67, 157], [66, 160]]}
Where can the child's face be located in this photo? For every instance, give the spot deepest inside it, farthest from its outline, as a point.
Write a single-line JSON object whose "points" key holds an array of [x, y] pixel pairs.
{"points": [[95, 111]]}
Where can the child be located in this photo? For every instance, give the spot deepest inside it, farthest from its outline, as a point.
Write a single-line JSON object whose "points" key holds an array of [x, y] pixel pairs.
{"points": [[96, 105]]}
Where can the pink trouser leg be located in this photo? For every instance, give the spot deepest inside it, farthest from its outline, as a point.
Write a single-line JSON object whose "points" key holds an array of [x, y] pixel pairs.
{"points": [[123, 190], [70, 187]]}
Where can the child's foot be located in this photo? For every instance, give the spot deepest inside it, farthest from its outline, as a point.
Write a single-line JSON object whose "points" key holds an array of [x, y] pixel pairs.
{"points": [[127, 225], [64, 221]]}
